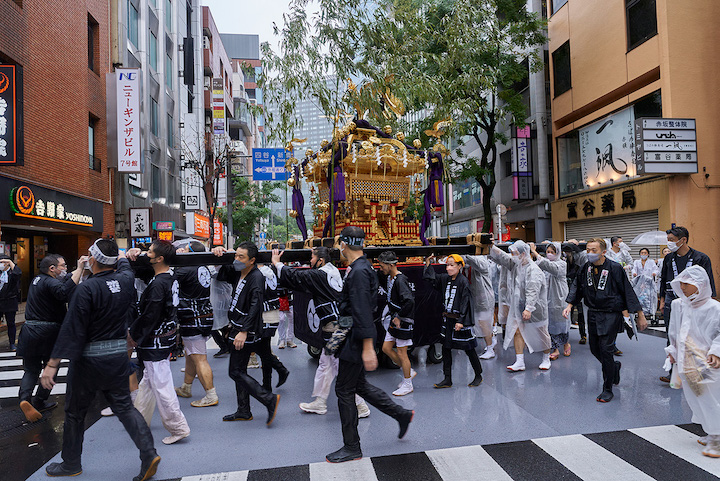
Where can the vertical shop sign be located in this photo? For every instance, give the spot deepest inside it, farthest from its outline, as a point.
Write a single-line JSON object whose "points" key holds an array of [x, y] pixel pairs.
{"points": [[8, 115], [128, 120]]}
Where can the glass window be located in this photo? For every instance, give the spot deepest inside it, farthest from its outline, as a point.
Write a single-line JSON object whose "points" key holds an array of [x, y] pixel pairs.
{"points": [[171, 131], [168, 72], [569, 165], [91, 142], [153, 51], [649, 106], [556, 4], [154, 117], [156, 183], [93, 34], [168, 14], [561, 69], [641, 21], [132, 24]]}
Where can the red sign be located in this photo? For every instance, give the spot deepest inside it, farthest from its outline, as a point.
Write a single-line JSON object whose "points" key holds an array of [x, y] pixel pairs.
{"points": [[202, 226], [217, 233], [165, 235]]}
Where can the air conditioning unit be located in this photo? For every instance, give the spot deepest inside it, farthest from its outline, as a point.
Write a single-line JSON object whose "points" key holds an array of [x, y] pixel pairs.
{"points": [[206, 42]]}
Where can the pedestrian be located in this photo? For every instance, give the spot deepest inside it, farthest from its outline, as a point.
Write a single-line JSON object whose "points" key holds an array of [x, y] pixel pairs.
{"points": [[324, 283], [456, 329], [398, 318], [483, 298], [271, 318], [246, 325], [619, 252], [555, 269], [680, 258], [10, 277], [357, 305], [606, 291], [94, 338], [644, 273], [575, 258], [527, 323], [154, 332], [44, 314], [695, 351], [286, 329], [195, 317]]}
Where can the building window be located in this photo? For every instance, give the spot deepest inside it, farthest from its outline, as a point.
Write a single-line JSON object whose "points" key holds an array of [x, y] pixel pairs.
{"points": [[93, 33], [154, 117], [569, 164], [169, 71], [561, 69], [156, 183], [556, 4], [649, 106], [641, 21], [171, 131], [153, 51], [94, 161], [132, 24], [168, 15]]}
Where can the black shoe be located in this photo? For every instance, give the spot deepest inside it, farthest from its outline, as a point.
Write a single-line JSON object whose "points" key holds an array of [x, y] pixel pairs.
{"points": [[605, 397], [55, 470], [476, 382], [282, 377], [583, 340], [43, 405], [447, 382], [618, 365], [238, 416], [272, 409], [148, 469], [344, 454], [665, 378], [222, 352], [404, 422]]}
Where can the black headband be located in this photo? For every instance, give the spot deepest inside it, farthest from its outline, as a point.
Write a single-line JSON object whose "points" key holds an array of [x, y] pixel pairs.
{"points": [[352, 241]]}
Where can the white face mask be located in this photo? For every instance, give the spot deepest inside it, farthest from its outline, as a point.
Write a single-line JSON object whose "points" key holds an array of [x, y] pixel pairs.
{"points": [[692, 297], [643, 256], [552, 257]]}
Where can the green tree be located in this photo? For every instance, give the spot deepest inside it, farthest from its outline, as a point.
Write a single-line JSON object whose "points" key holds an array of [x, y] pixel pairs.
{"points": [[250, 206], [461, 60]]}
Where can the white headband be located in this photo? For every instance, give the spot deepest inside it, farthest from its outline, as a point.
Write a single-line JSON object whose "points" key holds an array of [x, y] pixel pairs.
{"points": [[100, 257]]}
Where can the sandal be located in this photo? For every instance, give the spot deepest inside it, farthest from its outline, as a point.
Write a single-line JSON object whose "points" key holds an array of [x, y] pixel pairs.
{"points": [[568, 350], [554, 356]]}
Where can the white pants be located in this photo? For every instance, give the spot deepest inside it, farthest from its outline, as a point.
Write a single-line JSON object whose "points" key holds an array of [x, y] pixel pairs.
{"points": [[325, 375], [286, 329], [157, 387]]}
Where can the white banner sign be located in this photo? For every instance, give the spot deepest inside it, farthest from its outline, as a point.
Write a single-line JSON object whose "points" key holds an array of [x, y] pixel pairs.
{"points": [[606, 149], [140, 222], [128, 120]]}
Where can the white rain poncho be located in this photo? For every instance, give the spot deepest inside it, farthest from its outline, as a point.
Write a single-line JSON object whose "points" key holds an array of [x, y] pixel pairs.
{"points": [[694, 335], [482, 294], [557, 291], [644, 284], [527, 291]]}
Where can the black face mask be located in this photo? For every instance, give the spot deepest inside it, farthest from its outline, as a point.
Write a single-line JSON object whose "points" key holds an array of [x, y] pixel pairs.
{"points": [[317, 265]]}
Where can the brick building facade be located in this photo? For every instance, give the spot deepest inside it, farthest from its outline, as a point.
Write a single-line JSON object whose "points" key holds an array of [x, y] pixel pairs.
{"points": [[60, 175]]}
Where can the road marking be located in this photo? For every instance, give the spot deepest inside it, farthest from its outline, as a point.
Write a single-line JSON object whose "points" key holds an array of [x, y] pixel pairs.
{"points": [[12, 391], [10, 375], [588, 460], [361, 470], [465, 463], [681, 443], [11, 362], [7, 354], [230, 476]]}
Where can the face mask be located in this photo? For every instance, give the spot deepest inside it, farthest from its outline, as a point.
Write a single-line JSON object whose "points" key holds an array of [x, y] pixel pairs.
{"points": [[238, 266], [517, 260], [62, 274], [317, 265], [593, 257], [673, 246], [552, 257], [643, 256], [87, 265], [693, 297]]}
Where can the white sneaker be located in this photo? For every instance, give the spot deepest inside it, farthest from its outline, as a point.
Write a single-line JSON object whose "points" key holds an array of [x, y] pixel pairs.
{"points": [[281, 345], [405, 388], [413, 373], [545, 365], [291, 344], [175, 438], [109, 412], [363, 410], [318, 406], [253, 362], [496, 331], [518, 366], [704, 440], [712, 450], [488, 354]]}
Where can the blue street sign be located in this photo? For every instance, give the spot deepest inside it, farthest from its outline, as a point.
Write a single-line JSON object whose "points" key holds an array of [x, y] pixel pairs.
{"points": [[269, 164]]}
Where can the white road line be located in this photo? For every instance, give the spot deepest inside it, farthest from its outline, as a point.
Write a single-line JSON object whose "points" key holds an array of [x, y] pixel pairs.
{"points": [[10, 362], [465, 464], [588, 460], [681, 443], [361, 470], [12, 391], [231, 476], [10, 375], [7, 354]]}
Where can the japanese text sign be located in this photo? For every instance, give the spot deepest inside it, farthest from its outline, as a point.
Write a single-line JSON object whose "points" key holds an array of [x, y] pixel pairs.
{"points": [[8, 115], [269, 164], [128, 120], [140, 222], [202, 226]]}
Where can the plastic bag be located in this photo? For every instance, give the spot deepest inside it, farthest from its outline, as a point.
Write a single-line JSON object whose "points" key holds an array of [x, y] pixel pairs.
{"points": [[220, 298]]}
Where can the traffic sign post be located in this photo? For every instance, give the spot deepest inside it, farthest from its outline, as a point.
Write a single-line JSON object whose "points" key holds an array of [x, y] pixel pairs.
{"points": [[269, 164]]}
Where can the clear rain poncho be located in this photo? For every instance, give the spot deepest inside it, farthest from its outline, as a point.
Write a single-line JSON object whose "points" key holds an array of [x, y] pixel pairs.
{"points": [[482, 294], [644, 284], [557, 291], [526, 291], [694, 335]]}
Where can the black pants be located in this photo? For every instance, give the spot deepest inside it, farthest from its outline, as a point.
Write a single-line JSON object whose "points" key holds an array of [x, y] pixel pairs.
{"points": [[109, 375], [33, 367], [603, 346], [11, 330], [580, 320], [269, 362], [447, 361], [221, 340], [350, 381], [246, 385]]}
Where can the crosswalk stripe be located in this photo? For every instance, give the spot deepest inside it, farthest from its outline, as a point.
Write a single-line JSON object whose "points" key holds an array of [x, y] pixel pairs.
{"points": [[10, 362], [588, 460], [466, 463], [361, 470], [7, 354], [231, 476], [12, 391], [680, 443], [10, 375]]}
